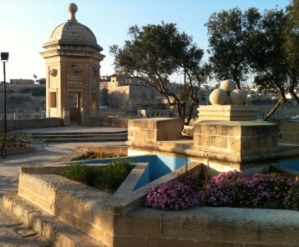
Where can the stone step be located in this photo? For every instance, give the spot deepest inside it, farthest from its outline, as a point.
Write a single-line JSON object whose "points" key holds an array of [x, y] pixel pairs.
{"points": [[82, 136], [46, 225]]}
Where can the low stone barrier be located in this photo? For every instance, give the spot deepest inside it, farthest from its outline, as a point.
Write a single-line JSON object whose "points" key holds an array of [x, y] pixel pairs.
{"points": [[119, 220], [19, 150], [155, 129], [31, 123], [289, 131]]}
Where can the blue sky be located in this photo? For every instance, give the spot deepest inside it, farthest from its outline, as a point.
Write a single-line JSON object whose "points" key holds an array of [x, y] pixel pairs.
{"points": [[25, 25]]}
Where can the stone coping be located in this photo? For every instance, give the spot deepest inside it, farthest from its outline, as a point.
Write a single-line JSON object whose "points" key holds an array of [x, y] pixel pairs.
{"points": [[186, 148], [229, 107], [288, 172]]}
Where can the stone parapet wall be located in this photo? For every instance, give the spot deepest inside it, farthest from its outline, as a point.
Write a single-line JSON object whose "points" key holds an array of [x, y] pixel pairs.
{"points": [[289, 131], [109, 122], [236, 137], [31, 123], [227, 112], [155, 129]]}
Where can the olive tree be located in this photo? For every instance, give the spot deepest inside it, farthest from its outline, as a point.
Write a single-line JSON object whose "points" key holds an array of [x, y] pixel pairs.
{"points": [[228, 43], [291, 45], [267, 57], [154, 53]]}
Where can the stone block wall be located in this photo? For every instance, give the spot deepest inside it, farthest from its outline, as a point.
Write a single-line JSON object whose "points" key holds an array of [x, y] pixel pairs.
{"points": [[155, 129], [31, 123], [236, 137], [227, 112], [109, 122], [289, 130]]}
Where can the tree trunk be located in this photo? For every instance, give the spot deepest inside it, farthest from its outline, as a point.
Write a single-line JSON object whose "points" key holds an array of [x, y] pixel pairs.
{"points": [[291, 90], [273, 110], [191, 107]]}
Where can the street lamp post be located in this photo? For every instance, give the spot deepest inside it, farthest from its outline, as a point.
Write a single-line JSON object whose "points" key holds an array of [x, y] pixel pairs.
{"points": [[4, 59]]}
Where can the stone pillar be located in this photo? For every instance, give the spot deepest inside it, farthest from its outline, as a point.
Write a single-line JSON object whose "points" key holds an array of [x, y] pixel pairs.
{"points": [[238, 138], [66, 116]]}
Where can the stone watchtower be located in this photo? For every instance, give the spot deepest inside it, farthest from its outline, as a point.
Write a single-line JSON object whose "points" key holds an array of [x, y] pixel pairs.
{"points": [[72, 64]]}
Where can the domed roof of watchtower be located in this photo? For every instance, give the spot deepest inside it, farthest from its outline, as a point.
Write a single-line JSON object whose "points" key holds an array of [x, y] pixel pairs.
{"points": [[72, 32]]}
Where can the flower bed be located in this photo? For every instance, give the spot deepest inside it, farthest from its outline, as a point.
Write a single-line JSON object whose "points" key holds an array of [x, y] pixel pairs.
{"points": [[233, 189]]}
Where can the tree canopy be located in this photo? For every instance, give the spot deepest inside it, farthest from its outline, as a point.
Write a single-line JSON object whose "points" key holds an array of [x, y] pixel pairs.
{"points": [[154, 53], [267, 57], [291, 46], [228, 42], [265, 44]]}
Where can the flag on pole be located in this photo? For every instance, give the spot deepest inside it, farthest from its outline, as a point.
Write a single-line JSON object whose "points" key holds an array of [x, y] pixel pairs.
{"points": [[34, 76]]}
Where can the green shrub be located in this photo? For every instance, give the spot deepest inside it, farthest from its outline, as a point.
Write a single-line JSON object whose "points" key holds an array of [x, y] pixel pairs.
{"points": [[114, 175], [82, 173], [102, 154], [9, 141], [107, 178]]}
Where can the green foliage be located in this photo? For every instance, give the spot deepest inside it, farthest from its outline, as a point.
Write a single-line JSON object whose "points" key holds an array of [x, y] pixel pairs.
{"points": [[265, 44], [114, 175], [92, 155], [267, 57], [82, 173], [102, 155], [2, 141], [229, 44], [154, 53], [291, 33], [9, 141], [107, 178]]}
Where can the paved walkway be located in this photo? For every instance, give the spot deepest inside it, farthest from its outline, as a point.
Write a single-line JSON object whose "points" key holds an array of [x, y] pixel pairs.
{"points": [[12, 232], [9, 167]]}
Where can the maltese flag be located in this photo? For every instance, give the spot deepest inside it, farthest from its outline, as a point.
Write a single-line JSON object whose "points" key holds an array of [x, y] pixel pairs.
{"points": [[34, 76]]}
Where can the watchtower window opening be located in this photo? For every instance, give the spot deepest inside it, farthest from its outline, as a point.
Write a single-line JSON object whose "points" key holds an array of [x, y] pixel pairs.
{"points": [[93, 101], [53, 103], [73, 100]]}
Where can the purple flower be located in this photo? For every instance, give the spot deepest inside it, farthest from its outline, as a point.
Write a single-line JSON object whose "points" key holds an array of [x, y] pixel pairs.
{"points": [[173, 195]]}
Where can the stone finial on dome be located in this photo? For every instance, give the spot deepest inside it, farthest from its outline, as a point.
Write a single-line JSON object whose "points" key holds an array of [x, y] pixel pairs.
{"points": [[72, 8]]}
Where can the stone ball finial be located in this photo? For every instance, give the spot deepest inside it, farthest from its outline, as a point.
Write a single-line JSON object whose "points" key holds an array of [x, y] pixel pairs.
{"points": [[72, 8], [218, 97], [228, 85], [238, 97]]}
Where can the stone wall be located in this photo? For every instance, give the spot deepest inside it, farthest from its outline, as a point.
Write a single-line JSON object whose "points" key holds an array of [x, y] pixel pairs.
{"points": [[289, 131], [109, 122], [154, 129], [30, 123], [236, 137], [119, 220]]}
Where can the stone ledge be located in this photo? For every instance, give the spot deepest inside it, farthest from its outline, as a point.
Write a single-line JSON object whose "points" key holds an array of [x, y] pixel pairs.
{"points": [[216, 157], [47, 225], [227, 112], [19, 150]]}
